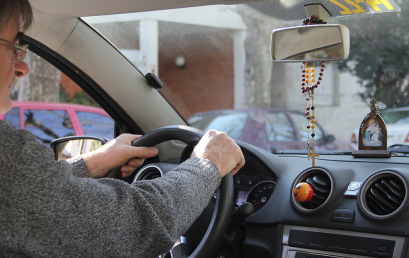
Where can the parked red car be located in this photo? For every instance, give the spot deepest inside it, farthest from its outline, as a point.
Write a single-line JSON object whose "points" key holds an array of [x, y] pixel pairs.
{"points": [[48, 121], [270, 129]]}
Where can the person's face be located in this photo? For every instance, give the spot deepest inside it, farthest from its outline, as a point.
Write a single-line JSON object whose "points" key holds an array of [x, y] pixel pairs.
{"points": [[9, 65]]}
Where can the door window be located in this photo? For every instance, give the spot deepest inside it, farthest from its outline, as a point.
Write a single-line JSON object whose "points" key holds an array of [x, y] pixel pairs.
{"points": [[96, 124], [48, 125], [13, 117]]}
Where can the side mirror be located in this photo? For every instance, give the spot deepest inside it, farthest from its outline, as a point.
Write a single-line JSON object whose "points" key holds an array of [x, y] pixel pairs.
{"points": [[73, 146], [310, 43]]}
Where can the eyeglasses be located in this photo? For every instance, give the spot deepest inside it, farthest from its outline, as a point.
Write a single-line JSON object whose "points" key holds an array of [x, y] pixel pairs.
{"points": [[20, 51]]}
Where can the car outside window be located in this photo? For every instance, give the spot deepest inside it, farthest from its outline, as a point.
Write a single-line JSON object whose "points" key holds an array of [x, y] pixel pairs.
{"points": [[13, 118], [300, 123], [96, 124], [233, 124], [48, 125], [399, 117], [278, 127]]}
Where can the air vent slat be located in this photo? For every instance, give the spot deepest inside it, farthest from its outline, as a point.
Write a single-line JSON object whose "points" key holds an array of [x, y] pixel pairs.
{"points": [[397, 185], [381, 210], [395, 190], [388, 193], [317, 201], [380, 197], [322, 180], [320, 196], [384, 194], [317, 186]]}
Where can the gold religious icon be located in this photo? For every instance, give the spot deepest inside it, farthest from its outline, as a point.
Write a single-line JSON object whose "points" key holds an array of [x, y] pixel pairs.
{"points": [[372, 131], [372, 135], [313, 156]]}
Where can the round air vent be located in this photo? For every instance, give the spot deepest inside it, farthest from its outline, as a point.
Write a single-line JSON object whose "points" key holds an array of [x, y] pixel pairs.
{"points": [[148, 172], [383, 195], [321, 182]]}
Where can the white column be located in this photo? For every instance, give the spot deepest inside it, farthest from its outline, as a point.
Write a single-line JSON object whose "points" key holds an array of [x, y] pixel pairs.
{"points": [[239, 61], [149, 45]]}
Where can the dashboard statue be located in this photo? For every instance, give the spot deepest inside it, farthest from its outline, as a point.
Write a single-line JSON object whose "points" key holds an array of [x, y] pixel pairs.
{"points": [[372, 134]]}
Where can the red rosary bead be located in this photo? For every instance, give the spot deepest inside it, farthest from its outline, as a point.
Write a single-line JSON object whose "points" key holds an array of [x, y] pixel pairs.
{"points": [[321, 74], [308, 108], [322, 69], [320, 78], [323, 65], [318, 82]]}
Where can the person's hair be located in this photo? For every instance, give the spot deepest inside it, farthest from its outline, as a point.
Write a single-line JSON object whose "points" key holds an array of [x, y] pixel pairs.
{"points": [[9, 8]]}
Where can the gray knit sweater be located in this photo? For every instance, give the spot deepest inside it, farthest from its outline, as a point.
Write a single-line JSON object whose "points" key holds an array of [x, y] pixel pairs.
{"points": [[48, 210]]}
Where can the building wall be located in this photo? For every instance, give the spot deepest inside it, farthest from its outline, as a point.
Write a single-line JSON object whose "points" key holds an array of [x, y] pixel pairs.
{"points": [[207, 81], [69, 86]]}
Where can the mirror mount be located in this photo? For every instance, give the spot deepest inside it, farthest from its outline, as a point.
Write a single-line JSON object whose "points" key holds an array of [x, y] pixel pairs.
{"points": [[318, 11]]}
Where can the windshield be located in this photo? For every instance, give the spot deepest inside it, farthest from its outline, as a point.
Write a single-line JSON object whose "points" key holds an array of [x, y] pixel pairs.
{"points": [[214, 58]]}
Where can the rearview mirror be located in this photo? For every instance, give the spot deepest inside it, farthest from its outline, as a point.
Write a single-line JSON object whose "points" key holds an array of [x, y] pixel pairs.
{"points": [[310, 43], [73, 146]]}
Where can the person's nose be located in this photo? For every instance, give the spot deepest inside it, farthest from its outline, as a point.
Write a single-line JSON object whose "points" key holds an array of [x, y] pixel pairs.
{"points": [[21, 69]]}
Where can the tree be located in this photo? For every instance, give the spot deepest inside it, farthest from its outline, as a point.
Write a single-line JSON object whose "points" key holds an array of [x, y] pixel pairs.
{"points": [[379, 55], [42, 83]]}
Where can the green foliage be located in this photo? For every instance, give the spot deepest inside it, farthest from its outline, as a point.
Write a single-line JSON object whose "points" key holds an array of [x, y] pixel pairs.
{"points": [[14, 95], [79, 98], [379, 55]]}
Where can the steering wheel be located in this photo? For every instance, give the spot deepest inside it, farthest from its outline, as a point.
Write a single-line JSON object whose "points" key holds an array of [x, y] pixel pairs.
{"points": [[221, 214]]}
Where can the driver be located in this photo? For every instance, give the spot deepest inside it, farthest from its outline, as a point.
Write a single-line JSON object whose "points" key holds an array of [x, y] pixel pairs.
{"points": [[56, 209]]}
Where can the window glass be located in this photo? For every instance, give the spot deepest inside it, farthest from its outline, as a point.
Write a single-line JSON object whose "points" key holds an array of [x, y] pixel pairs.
{"points": [[13, 117], [232, 124], [399, 117], [301, 124], [45, 83], [278, 127], [96, 124], [48, 125]]}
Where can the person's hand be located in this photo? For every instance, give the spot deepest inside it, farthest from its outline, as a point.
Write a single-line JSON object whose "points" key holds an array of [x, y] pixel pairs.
{"points": [[118, 153], [221, 150]]}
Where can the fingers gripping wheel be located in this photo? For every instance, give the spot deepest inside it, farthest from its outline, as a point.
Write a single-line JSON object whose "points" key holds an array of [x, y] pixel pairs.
{"points": [[221, 215], [185, 134]]}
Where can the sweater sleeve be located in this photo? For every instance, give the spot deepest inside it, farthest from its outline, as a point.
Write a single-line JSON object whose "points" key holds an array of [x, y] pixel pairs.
{"points": [[79, 167], [50, 212]]}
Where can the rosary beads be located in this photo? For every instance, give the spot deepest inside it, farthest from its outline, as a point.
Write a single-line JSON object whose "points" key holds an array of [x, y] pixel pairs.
{"points": [[308, 76]]}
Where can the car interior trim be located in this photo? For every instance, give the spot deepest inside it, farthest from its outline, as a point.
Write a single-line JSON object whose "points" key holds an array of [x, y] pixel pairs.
{"points": [[289, 252]]}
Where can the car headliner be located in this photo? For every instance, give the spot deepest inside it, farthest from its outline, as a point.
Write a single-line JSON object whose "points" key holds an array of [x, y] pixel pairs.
{"points": [[80, 8]]}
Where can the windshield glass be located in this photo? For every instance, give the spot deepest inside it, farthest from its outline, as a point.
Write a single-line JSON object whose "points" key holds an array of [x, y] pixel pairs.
{"points": [[213, 58]]}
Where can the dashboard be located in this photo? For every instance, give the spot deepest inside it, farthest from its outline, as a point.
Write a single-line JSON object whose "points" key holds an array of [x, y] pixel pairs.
{"points": [[359, 208]]}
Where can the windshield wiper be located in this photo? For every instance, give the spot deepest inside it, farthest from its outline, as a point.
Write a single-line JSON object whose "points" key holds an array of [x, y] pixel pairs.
{"points": [[399, 148]]}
